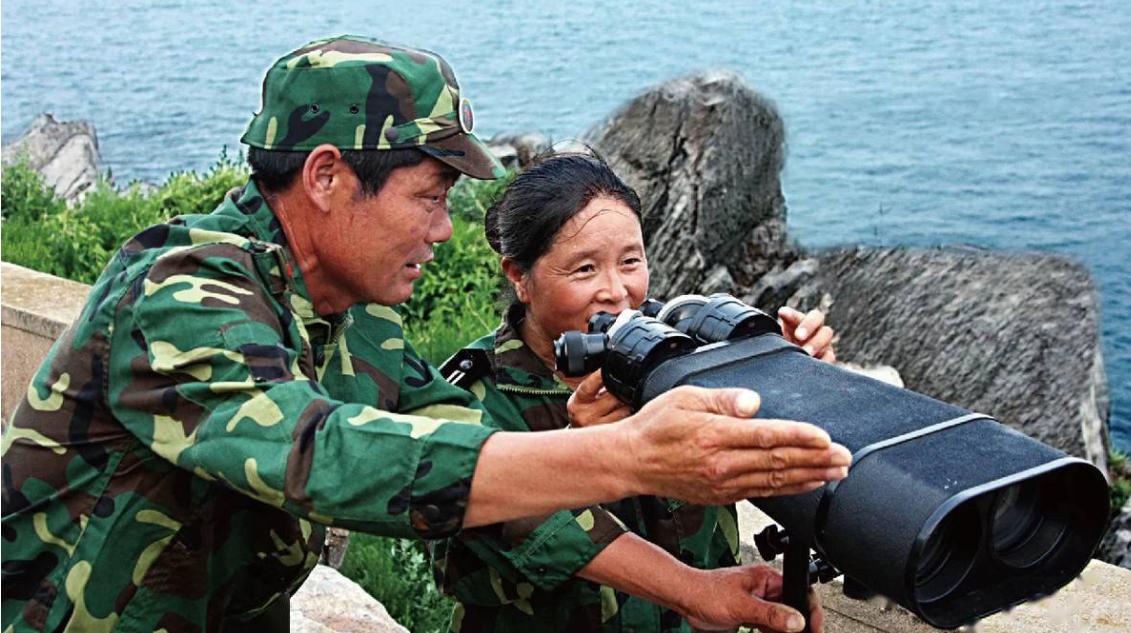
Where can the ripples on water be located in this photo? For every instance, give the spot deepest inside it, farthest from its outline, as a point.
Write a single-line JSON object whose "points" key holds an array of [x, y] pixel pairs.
{"points": [[1005, 125]]}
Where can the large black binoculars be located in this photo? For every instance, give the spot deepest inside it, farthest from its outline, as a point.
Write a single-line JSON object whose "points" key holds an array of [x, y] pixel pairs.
{"points": [[945, 511]]}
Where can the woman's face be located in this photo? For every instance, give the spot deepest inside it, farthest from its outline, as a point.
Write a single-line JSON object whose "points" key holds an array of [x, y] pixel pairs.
{"points": [[595, 264]]}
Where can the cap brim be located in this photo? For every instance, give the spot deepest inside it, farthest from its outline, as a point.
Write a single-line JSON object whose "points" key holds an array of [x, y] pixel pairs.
{"points": [[468, 154]]}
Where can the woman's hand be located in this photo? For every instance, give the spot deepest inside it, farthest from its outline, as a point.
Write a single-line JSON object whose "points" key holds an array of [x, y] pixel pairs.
{"points": [[715, 599], [809, 331], [733, 596], [591, 404]]}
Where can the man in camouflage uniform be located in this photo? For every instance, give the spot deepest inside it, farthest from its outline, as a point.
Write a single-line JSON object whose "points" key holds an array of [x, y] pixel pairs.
{"points": [[180, 450]]}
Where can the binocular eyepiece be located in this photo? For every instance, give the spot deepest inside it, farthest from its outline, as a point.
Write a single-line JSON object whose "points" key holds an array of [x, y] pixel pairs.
{"points": [[626, 346]]}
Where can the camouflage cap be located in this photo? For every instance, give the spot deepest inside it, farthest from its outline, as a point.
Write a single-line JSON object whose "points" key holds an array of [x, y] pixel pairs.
{"points": [[363, 94]]}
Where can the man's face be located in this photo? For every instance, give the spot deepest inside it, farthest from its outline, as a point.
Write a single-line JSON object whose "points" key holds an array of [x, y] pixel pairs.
{"points": [[375, 245]]}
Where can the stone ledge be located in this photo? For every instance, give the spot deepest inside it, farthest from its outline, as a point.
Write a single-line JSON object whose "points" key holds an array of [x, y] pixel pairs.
{"points": [[35, 308], [37, 302]]}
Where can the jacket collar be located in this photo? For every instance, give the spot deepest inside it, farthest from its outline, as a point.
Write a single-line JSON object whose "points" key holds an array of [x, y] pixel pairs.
{"points": [[513, 360], [247, 208]]}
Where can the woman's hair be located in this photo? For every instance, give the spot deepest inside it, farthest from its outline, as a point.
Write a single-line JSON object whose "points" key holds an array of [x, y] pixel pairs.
{"points": [[523, 222]]}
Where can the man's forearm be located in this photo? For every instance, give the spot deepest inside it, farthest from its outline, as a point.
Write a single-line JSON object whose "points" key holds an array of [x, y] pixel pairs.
{"points": [[692, 444], [529, 474]]}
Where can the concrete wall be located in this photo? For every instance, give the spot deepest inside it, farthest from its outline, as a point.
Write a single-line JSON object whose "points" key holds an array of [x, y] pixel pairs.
{"points": [[38, 307]]}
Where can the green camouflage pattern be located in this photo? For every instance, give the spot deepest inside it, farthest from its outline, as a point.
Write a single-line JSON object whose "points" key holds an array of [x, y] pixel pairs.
{"points": [[362, 94], [180, 449], [520, 576]]}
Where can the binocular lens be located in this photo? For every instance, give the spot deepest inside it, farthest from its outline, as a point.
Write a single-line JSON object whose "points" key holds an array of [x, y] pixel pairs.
{"points": [[578, 354], [1024, 527], [948, 555]]}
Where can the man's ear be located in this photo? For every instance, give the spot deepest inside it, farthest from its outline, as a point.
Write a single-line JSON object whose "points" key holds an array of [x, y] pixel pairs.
{"points": [[517, 277], [321, 175]]}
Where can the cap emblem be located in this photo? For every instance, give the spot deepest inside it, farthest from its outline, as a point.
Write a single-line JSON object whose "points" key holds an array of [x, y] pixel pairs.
{"points": [[466, 116]]}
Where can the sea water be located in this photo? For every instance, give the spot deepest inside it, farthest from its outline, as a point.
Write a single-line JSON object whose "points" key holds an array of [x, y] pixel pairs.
{"points": [[1005, 125]]}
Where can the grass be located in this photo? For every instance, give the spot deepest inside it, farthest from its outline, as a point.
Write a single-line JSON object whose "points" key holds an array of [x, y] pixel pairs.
{"points": [[396, 572]]}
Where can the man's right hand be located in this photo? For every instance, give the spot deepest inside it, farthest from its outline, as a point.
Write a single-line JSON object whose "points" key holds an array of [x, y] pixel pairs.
{"points": [[701, 446]]}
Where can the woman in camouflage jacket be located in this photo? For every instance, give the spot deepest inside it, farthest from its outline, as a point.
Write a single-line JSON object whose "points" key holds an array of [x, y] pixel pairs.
{"points": [[569, 233]]}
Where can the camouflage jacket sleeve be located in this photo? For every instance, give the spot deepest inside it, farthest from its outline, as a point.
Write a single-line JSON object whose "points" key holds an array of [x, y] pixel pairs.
{"points": [[219, 381], [503, 563]]}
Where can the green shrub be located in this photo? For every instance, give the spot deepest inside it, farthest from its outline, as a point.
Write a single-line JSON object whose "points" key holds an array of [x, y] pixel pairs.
{"points": [[42, 233], [1120, 469], [470, 199], [396, 573], [25, 195], [188, 192]]}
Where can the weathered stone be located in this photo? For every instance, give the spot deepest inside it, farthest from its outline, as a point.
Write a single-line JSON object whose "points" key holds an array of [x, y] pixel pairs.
{"points": [[774, 289], [37, 307], [882, 373], [66, 154], [768, 248], [1116, 545], [328, 602], [518, 150], [506, 153], [1015, 336], [718, 280], [704, 152]]}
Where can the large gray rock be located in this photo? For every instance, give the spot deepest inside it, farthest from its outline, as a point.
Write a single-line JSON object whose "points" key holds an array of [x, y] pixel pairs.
{"points": [[328, 602], [66, 154], [518, 150], [704, 152], [1015, 336]]}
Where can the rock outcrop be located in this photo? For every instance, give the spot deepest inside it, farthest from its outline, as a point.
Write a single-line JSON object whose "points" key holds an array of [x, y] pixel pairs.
{"points": [[66, 154], [1012, 335], [1015, 336], [328, 602], [705, 153], [516, 151]]}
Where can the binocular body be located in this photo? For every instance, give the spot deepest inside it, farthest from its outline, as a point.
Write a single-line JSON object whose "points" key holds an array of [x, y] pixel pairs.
{"points": [[945, 511]]}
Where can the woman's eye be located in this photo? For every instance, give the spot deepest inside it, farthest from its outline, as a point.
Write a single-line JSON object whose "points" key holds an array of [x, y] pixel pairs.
{"points": [[631, 261], [587, 268]]}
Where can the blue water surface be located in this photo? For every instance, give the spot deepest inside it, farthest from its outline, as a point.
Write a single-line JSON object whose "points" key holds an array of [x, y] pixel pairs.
{"points": [[999, 124]]}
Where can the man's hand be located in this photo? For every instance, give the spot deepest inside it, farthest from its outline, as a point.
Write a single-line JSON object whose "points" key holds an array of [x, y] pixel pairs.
{"points": [[734, 596], [809, 331], [699, 445], [591, 404]]}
